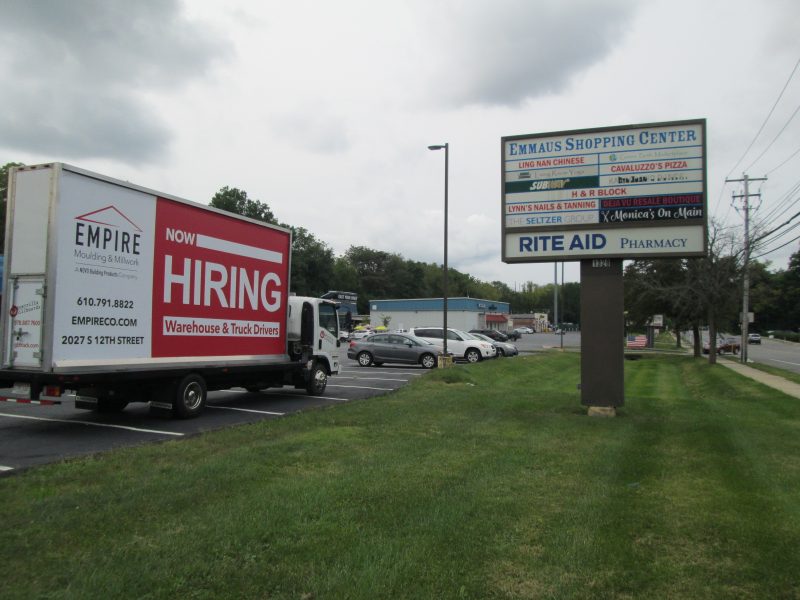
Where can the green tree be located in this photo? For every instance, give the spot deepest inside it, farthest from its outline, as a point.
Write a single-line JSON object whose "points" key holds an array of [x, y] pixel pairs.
{"points": [[236, 201], [312, 264], [345, 275], [312, 259], [4, 198], [714, 283], [789, 285], [766, 297]]}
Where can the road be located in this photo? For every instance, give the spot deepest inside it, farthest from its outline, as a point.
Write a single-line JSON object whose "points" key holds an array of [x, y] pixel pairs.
{"points": [[776, 353], [33, 435]]}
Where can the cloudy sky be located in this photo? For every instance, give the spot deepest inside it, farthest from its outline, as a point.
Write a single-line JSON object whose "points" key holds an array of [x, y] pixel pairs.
{"points": [[324, 110]]}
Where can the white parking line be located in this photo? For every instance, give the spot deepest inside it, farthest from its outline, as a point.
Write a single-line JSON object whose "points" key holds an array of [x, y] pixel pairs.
{"points": [[2, 468], [361, 387], [387, 372], [71, 422], [373, 378], [305, 397], [247, 410]]}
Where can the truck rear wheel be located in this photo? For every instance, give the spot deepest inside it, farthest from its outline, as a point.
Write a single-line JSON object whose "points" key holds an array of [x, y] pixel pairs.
{"points": [[190, 397], [317, 381]]}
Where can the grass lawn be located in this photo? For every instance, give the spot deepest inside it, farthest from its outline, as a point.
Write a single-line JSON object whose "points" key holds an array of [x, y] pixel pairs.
{"points": [[482, 481]]}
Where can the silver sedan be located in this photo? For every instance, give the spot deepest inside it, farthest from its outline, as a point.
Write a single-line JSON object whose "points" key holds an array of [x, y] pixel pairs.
{"points": [[393, 348]]}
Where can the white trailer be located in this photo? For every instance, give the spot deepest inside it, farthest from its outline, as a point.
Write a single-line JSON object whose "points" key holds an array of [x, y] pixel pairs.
{"points": [[114, 293]]}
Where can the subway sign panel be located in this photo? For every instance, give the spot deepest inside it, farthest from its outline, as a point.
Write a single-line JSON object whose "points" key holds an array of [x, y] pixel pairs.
{"points": [[635, 191]]}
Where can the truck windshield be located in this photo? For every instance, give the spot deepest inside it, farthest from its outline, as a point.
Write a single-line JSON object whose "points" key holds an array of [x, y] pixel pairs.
{"points": [[327, 318]]}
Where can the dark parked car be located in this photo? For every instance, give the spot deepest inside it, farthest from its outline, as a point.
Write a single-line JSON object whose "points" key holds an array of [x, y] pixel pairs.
{"points": [[503, 348], [498, 336], [393, 348]]}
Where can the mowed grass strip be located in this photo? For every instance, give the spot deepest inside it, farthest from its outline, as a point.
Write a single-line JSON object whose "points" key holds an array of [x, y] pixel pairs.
{"points": [[785, 373], [483, 481]]}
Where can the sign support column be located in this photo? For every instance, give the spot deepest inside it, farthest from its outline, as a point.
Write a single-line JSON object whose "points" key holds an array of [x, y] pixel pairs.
{"points": [[602, 332]]}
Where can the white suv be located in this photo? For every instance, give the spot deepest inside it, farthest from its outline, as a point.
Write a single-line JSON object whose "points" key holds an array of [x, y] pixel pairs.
{"points": [[459, 343]]}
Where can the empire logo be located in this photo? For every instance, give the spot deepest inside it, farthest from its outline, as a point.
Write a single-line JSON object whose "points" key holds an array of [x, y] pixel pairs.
{"points": [[108, 229]]}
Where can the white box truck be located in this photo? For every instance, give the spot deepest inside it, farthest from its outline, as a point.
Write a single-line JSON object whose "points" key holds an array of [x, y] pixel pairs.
{"points": [[114, 293]]}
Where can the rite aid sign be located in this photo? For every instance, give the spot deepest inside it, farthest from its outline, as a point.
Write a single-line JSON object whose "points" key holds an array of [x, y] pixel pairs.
{"points": [[634, 191]]}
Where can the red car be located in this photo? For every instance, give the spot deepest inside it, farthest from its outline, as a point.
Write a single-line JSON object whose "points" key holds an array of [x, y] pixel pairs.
{"points": [[728, 344]]}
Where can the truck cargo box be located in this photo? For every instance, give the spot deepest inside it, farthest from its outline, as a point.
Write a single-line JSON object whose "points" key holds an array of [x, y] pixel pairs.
{"points": [[104, 274]]}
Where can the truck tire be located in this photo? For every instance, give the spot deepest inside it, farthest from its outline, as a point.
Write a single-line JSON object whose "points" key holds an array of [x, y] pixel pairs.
{"points": [[364, 359], [190, 397], [428, 361], [317, 381], [472, 355]]}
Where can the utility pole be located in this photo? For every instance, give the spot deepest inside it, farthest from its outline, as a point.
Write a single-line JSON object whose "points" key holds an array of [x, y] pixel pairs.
{"points": [[746, 276]]}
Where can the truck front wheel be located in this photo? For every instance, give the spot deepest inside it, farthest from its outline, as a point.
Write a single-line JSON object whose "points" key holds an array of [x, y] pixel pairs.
{"points": [[190, 397], [317, 381]]}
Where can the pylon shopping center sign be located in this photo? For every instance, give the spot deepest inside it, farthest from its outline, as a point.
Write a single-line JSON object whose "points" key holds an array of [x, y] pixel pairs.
{"points": [[635, 191]]}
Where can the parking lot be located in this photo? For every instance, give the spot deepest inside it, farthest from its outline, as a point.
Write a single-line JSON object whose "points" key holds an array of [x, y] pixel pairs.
{"points": [[33, 435]]}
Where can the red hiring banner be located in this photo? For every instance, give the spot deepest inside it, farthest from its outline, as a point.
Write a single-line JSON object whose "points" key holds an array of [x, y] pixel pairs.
{"points": [[220, 285]]}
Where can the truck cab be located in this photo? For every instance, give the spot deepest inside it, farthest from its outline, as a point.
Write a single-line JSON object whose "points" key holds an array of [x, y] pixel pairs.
{"points": [[313, 337]]}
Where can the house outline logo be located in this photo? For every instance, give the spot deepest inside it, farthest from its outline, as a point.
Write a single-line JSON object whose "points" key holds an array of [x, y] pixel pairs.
{"points": [[109, 216]]}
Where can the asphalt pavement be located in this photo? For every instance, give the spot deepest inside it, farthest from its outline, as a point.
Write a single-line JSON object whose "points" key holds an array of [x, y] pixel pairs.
{"points": [[32, 435]]}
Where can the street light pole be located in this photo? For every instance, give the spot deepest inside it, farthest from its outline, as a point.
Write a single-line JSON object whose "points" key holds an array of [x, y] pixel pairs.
{"points": [[446, 148]]}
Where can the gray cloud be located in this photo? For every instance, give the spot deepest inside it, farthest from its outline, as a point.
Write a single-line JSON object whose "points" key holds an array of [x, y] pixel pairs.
{"points": [[504, 52], [77, 74], [313, 131]]}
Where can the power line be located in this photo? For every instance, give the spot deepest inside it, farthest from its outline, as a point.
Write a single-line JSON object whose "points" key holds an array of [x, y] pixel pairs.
{"points": [[794, 114], [782, 205], [778, 248], [765, 120], [761, 237], [795, 153], [777, 238]]}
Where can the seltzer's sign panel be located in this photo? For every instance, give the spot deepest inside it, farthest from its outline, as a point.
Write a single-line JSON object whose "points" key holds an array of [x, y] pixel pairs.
{"points": [[599, 181]]}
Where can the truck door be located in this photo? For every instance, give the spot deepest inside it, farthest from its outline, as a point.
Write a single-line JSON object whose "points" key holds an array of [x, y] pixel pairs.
{"points": [[329, 333], [24, 324]]}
